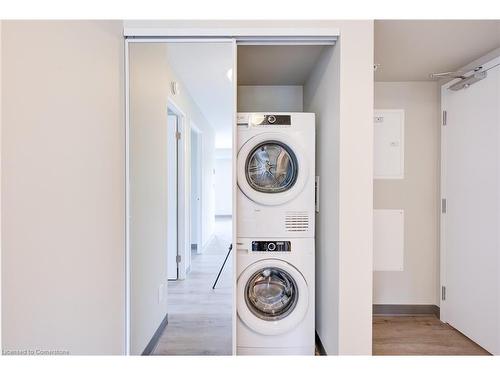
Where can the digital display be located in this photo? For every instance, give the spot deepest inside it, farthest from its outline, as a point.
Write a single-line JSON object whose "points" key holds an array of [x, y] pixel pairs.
{"points": [[271, 246], [272, 120]]}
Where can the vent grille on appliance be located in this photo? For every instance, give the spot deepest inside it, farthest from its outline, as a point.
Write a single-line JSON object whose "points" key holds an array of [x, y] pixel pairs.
{"points": [[297, 221]]}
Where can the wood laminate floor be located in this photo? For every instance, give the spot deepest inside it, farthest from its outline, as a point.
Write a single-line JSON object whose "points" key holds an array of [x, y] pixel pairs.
{"points": [[419, 335], [199, 318]]}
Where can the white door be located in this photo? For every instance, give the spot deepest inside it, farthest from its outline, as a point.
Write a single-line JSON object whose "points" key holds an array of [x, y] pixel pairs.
{"points": [[172, 247], [470, 265], [196, 187]]}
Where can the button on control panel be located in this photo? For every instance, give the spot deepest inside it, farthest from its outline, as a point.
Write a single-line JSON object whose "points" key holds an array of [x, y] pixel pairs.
{"points": [[271, 246]]}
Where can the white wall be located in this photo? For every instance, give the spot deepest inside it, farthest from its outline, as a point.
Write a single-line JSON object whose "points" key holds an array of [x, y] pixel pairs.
{"points": [[417, 194], [356, 187], [321, 96], [148, 191], [150, 77], [223, 182], [270, 98], [355, 54], [63, 191], [345, 166], [95, 65]]}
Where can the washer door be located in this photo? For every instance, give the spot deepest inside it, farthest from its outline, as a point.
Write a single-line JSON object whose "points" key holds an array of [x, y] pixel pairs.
{"points": [[272, 297], [271, 169]]}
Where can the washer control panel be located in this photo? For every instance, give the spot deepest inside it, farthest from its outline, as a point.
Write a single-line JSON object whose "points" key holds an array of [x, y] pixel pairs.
{"points": [[271, 246]]}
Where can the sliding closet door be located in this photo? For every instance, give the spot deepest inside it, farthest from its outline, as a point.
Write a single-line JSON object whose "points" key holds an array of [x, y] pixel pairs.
{"points": [[173, 83], [470, 264]]}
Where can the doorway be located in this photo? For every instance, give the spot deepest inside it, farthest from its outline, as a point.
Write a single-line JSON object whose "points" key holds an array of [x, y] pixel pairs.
{"points": [[435, 207]]}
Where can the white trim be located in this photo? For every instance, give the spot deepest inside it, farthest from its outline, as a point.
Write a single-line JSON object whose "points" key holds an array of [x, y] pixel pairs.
{"points": [[127, 202], [275, 42], [183, 190], [1, 249], [235, 33], [234, 191], [442, 222], [177, 40]]}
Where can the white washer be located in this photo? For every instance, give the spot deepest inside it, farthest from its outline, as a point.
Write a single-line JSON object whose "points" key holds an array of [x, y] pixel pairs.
{"points": [[275, 296], [276, 165]]}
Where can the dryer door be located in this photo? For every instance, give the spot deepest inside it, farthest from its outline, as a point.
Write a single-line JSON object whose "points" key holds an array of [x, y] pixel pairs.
{"points": [[272, 297], [271, 169]]}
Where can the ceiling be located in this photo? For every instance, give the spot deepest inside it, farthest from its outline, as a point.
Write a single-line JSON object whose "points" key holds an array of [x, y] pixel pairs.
{"points": [[203, 70], [409, 50], [276, 65]]}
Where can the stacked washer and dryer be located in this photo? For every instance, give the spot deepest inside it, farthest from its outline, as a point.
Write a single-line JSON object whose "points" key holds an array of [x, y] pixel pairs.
{"points": [[275, 230]]}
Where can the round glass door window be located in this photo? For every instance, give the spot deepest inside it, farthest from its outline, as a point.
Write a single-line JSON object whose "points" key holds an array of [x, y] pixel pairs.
{"points": [[271, 294], [271, 167]]}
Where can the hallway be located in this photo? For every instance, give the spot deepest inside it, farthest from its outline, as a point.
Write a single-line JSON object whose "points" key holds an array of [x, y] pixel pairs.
{"points": [[199, 318]]}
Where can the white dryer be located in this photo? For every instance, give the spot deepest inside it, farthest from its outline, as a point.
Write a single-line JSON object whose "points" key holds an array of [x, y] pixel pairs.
{"points": [[276, 168], [275, 296]]}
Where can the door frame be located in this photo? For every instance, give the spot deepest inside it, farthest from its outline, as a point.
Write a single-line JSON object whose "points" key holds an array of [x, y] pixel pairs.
{"points": [[233, 36], [442, 216], [183, 206], [199, 146]]}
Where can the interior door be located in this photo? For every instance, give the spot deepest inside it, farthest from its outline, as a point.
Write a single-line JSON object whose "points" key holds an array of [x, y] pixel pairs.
{"points": [[196, 187], [470, 265], [172, 247]]}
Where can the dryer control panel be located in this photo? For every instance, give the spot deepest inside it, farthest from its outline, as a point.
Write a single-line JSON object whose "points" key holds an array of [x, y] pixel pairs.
{"points": [[272, 120], [258, 119], [271, 246]]}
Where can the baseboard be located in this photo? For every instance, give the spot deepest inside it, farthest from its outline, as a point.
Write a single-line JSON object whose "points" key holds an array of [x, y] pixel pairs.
{"points": [[406, 310], [156, 337], [319, 346]]}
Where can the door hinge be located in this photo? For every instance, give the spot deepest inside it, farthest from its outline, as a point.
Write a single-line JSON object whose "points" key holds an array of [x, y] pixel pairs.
{"points": [[445, 118], [443, 205], [443, 293], [177, 135], [178, 258]]}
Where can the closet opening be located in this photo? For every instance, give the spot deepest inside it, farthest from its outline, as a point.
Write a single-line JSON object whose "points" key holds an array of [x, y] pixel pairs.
{"points": [[287, 226], [200, 308]]}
